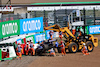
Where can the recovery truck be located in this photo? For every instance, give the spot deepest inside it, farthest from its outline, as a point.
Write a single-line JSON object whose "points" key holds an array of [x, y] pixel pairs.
{"points": [[71, 42]]}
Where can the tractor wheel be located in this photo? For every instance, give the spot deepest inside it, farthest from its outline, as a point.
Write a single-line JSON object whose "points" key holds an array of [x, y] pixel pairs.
{"points": [[73, 47], [90, 46]]}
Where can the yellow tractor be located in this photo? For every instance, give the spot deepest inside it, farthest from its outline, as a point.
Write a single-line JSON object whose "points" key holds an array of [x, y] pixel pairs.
{"points": [[72, 43]]}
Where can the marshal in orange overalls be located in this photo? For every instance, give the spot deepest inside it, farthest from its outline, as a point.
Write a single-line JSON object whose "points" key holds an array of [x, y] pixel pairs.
{"points": [[52, 53], [19, 51], [60, 35], [27, 49], [51, 34], [32, 49], [62, 48], [85, 51]]}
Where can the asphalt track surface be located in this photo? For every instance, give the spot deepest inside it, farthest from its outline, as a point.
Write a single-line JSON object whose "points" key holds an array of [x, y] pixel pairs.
{"points": [[70, 60]]}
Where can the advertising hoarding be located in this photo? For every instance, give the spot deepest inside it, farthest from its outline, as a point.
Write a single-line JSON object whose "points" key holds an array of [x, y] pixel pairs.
{"points": [[95, 29], [19, 41], [39, 37], [31, 25], [28, 38], [9, 28], [47, 34], [87, 30]]}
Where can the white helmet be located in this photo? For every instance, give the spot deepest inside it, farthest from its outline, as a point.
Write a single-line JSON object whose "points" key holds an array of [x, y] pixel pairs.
{"points": [[84, 44], [27, 43]]}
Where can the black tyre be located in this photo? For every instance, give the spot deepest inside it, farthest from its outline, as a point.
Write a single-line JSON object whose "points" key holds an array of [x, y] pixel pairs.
{"points": [[65, 49], [73, 47], [90, 46], [46, 47], [59, 49]]}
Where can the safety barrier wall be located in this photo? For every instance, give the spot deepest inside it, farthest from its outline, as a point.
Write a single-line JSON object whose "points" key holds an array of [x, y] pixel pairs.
{"points": [[38, 37], [7, 52], [47, 34], [22, 26], [35, 38]]}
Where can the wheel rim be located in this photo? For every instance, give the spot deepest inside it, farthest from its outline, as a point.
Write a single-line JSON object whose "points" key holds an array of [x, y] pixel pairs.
{"points": [[90, 47], [74, 48]]}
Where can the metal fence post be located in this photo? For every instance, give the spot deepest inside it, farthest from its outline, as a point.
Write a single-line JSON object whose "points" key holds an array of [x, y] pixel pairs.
{"points": [[54, 16], [66, 12], [0, 4], [84, 21], [1, 18], [66, 17], [34, 13], [26, 15], [8, 17], [44, 16], [17, 15], [94, 15]]}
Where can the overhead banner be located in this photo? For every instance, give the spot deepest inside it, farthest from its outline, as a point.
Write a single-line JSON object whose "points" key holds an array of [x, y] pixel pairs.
{"points": [[9, 28], [31, 25], [95, 29], [39, 37]]}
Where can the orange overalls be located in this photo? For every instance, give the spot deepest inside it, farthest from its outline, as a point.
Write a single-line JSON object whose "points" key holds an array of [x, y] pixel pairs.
{"points": [[19, 51], [27, 49], [80, 34], [52, 53], [73, 31], [60, 35], [62, 49], [84, 51], [51, 34], [32, 49]]}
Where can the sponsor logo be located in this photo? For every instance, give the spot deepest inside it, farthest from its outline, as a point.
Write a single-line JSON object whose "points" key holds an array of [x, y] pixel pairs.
{"points": [[9, 28], [31, 25], [94, 29], [40, 37]]}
